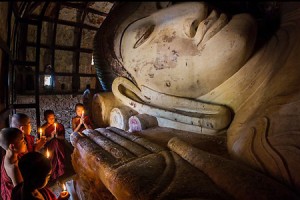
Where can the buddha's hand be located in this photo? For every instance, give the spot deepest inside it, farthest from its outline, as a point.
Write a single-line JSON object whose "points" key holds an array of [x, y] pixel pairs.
{"points": [[132, 167]]}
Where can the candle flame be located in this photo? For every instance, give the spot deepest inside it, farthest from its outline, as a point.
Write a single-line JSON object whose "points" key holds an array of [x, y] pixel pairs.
{"points": [[64, 187], [82, 113], [55, 125], [41, 132], [47, 154]]}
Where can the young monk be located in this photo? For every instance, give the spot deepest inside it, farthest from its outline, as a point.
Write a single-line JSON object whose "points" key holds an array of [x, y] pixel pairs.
{"points": [[55, 143], [81, 121], [22, 122], [12, 141], [36, 170]]}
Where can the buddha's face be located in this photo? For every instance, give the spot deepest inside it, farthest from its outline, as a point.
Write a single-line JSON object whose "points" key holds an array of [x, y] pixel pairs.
{"points": [[185, 51]]}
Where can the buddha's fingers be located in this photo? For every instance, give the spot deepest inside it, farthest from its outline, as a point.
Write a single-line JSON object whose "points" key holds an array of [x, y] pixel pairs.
{"points": [[88, 148], [119, 152], [136, 140], [124, 143], [234, 178]]}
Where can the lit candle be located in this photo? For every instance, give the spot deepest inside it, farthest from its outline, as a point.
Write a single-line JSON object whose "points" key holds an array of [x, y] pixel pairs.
{"points": [[47, 153], [55, 127], [82, 114], [41, 133], [64, 193]]}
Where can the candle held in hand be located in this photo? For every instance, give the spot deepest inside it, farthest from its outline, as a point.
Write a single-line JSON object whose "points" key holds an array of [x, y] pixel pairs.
{"points": [[47, 153], [82, 114], [64, 193], [41, 133]]}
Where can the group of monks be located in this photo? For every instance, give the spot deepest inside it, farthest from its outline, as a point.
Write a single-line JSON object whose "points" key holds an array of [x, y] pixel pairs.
{"points": [[50, 142]]}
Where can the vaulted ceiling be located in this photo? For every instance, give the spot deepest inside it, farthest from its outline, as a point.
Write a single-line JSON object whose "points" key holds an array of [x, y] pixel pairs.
{"points": [[60, 35]]}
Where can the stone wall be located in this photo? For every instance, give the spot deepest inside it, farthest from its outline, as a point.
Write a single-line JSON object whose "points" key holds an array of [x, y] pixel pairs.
{"points": [[3, 20], [3, 36], [66, 36], [62, 105]]}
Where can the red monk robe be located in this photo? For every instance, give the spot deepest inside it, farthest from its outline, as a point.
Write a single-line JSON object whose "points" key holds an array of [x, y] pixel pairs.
{"points": [[30, 142], [6, 183], [18, 193], [56, 148], [76, 121]]}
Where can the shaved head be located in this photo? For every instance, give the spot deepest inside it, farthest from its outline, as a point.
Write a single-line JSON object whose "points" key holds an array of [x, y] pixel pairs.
{"points": [[19, 119]]}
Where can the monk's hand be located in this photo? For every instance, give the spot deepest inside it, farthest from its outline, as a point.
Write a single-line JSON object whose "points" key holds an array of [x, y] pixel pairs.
{"points": [[81, 120], [132, 167], [53, 133], [40, 143]]}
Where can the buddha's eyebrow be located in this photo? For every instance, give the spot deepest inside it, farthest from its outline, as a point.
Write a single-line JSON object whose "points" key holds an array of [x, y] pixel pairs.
{"points": [[120, 52]]}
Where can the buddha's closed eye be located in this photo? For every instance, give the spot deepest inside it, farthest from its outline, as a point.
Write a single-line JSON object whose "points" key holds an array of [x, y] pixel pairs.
{"points": [[143, 35]]}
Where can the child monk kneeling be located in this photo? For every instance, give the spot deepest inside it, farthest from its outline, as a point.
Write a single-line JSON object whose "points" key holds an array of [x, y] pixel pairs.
{"points": [[12, 141], [55, 134], [81, 121], [36, 171]]}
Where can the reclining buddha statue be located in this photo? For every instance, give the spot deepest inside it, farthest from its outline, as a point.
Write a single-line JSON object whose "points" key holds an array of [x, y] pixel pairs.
{"points": [[222, 82]]}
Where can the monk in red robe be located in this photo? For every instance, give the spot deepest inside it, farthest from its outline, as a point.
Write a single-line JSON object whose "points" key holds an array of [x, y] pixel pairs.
{"points": [[22, 122], [12, 141], [55, 134], [81, 121], [36, 170], [6, 183]]}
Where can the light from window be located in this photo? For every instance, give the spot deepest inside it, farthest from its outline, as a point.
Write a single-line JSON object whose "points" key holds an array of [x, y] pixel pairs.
{"points": [[47, 80], [92, 63]]}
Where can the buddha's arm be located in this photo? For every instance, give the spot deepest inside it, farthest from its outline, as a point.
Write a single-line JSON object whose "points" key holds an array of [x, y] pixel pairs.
{"points": [[235, 178]]}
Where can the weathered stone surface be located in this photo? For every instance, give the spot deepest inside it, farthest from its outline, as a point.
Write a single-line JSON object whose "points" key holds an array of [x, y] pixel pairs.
{"points": [[156, 174], [102, 105], [216, 64], [68, 14], [85, 65], [3, 20], [101, 6], [213, 118], [119, 117], [65, 35], [231, 176], [141, 122]]}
